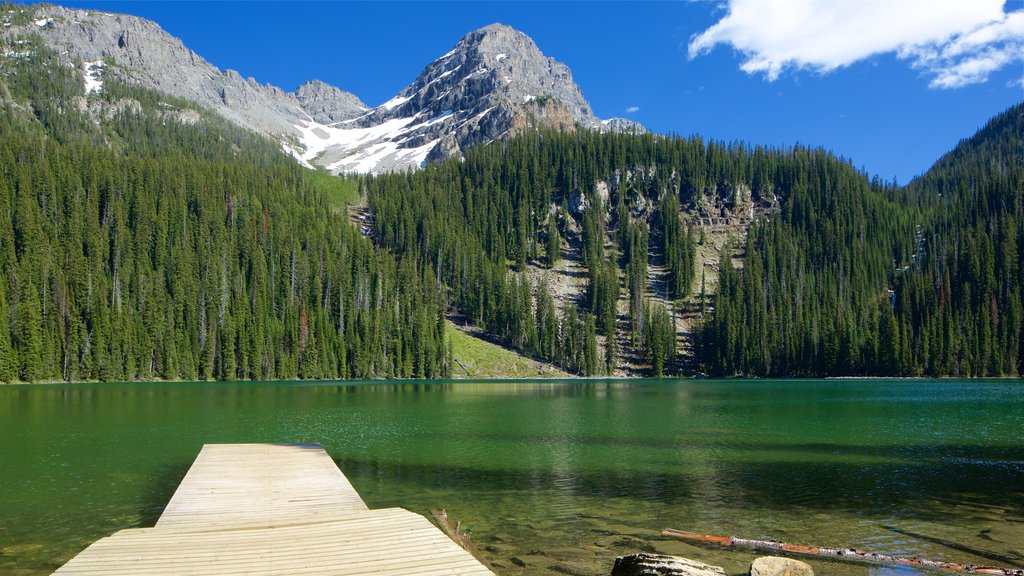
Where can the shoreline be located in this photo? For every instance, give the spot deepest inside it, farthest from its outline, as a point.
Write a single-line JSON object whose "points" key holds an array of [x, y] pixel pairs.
{"points": [[526, 379]]}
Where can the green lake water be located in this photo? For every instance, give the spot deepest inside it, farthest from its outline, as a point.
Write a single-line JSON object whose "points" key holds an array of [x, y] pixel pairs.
{"points": [[552, 477]]}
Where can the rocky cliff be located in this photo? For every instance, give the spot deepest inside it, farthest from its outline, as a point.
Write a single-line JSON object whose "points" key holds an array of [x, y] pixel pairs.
{"points": [[494, 83], [138, 51]]}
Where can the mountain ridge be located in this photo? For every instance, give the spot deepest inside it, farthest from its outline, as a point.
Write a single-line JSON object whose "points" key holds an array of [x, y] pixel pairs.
{"points": [[769, 261], [494, 83]]}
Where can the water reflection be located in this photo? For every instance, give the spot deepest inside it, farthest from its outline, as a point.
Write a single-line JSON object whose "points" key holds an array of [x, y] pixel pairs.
{"points": [[599, 467]]}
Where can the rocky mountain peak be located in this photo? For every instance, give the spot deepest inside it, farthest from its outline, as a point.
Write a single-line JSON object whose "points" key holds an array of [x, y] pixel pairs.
{"points": [[624, 125], [503, 66], [494, 83], [143, 54], [326, 104], [495, 39]]}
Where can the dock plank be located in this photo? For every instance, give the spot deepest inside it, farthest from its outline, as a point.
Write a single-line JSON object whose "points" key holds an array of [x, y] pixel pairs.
{"points": [[274, 509], [260, 484]]}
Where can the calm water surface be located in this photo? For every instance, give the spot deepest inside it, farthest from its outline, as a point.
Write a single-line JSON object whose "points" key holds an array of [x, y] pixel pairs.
{"points": [[552, 477]]}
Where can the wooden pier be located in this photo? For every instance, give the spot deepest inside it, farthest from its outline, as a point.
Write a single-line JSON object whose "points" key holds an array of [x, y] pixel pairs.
{"points": [[274, 509]]}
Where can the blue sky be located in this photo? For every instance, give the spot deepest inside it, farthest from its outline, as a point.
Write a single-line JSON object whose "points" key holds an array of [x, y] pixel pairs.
{"points": [[724, 70]]}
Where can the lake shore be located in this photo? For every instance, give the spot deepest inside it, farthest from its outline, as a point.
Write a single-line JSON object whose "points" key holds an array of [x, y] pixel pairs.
{"points": [[568, 473]]}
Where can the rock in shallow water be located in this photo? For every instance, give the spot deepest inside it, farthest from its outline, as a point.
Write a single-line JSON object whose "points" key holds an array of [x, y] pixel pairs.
{"points": [[662, 565], [778, 566]]}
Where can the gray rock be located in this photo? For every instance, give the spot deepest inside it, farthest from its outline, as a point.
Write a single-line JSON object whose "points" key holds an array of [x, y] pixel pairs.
{"points": [[624, 125], [662, 565], [327, 104], [779, 566], [493, 84], [144, 54]]}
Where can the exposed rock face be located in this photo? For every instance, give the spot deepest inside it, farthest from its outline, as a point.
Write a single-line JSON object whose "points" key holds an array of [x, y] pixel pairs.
{"points": [[493, 84], [624, 125], [662, 565], [778, 566], [145, 55], [327, 104]]}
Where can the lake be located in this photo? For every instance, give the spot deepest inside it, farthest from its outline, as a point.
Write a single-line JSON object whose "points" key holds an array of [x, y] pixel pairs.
{"points": [[552, 476]]}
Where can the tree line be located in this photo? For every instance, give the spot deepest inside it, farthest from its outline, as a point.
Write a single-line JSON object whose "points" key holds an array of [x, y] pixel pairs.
{"points": [[860, 278], [842, 274], [137, 244], [144, 247]]}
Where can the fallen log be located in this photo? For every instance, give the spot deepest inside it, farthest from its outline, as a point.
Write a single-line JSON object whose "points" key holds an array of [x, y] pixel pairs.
{"points": [[458, 536], [843, 553]]}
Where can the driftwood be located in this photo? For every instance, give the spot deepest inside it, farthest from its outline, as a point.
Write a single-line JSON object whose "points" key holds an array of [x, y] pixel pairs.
{"points": [[458, 536], [843, 553]]}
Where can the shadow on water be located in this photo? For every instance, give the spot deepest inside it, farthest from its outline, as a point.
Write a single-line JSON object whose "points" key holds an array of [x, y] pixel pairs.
{"points": [[160, 487]]}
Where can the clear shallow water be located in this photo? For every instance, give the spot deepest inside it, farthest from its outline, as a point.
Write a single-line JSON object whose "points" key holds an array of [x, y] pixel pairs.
{"points": [[552, 477]]}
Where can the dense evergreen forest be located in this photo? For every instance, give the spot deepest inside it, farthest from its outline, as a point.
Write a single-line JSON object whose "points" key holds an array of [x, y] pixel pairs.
{"points": [[140, 239], [841, 275], [854, 279]]}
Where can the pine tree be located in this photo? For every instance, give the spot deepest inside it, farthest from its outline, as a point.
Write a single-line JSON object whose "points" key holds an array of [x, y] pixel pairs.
{"points": [[9, 365], [554, 242], [28, 341]]}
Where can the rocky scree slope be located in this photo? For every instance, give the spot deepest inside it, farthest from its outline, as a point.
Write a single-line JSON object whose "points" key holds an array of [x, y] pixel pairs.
{"points": [[494, 83]]}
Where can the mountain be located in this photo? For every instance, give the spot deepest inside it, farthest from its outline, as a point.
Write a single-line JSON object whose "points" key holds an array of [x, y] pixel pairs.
{"points": [[326, 104], [923, 280], [145, 235], [142, 236], [138, 52], [755, 261], [493, 84]]}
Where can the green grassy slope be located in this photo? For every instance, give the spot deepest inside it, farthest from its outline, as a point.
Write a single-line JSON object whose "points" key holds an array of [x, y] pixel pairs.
{"points": [[477, 358]]}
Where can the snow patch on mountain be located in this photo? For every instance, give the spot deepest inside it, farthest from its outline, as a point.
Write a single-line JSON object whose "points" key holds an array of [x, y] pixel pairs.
{"points": [[370, 159], [92, 73], [488, 87], [394, 102], [397, 143], [316, 137]]}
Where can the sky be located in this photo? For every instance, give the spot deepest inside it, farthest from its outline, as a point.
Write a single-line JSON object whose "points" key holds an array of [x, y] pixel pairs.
{"points": [[891, 85]]}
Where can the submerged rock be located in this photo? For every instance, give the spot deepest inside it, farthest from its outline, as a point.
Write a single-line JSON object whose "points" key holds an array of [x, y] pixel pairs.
{"points": [[532, 561], [779, 566], [662, 565]]}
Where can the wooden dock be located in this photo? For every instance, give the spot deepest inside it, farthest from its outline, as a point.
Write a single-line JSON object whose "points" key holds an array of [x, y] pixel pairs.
{"points": [[274, 509]]}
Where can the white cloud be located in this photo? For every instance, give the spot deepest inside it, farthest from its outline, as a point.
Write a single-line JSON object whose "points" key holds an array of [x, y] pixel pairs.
{"points": [[632, 109], [955, 42]]}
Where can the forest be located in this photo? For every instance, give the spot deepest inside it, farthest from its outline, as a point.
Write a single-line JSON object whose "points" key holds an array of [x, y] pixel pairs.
{"points": [[142, 245], [842, 274], [923, 280], [142, 237]]}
